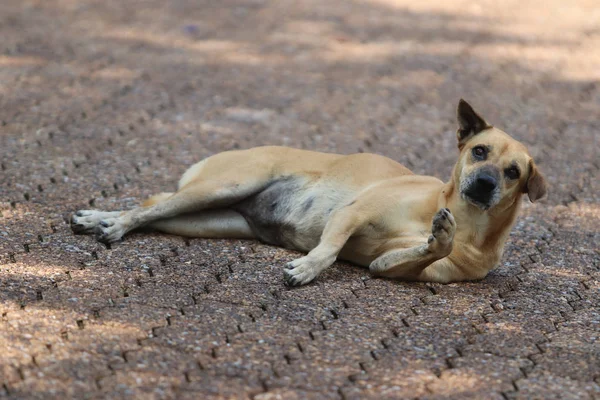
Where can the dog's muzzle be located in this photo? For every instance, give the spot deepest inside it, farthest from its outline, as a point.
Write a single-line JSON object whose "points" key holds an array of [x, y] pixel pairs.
{"points": [[482, 187]]}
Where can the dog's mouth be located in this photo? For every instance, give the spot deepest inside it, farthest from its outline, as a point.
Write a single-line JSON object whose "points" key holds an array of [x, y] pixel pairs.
{"points": [[481, 189], [481, 201]]}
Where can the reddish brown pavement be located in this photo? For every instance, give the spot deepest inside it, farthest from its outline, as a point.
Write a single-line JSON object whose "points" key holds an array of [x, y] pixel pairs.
{"points": [[104, 102]]}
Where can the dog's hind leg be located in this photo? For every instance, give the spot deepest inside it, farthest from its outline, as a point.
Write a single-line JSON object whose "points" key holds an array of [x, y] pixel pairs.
{"points": [[221, 223], [155, 199], [222, 180], [85, 221], [195, 197]]}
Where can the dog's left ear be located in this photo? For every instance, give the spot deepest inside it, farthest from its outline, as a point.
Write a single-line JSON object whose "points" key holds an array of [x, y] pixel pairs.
{"points": [[469, 123], [536, 186]]}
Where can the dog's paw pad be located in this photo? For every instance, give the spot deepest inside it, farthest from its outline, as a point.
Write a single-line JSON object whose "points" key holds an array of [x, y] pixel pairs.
{"points": [[443, 227]]}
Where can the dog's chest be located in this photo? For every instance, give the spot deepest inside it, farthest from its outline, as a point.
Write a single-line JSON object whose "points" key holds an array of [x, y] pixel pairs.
{"points": [[291, 211]]}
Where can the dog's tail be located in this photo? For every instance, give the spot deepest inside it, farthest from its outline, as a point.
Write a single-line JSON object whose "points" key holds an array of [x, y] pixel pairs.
{"points": [[157, 198]]}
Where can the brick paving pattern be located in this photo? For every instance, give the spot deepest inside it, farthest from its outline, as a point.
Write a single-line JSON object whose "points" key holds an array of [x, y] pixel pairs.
{"points": [[104, 102]]}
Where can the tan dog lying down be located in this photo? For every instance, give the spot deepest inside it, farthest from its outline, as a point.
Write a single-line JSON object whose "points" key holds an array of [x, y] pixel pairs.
{"points": [[363, 208]]}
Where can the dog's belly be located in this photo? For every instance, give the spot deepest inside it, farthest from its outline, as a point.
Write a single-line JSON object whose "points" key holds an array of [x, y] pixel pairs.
{"points": [[292, 211]]}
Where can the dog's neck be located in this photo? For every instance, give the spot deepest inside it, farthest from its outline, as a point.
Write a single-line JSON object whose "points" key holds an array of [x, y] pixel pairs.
{"points": [[486, 230]]}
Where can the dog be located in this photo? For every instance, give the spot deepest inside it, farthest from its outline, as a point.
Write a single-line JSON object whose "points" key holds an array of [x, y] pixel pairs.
{"points": [[363, 208]]}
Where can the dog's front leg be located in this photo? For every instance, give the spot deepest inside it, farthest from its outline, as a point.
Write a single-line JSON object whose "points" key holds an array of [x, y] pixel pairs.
{"points": [[409, 263], [339, 228]]}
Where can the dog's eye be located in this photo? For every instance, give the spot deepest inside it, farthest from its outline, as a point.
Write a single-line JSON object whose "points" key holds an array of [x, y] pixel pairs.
{"points": [[512, 173], [480, 153]]}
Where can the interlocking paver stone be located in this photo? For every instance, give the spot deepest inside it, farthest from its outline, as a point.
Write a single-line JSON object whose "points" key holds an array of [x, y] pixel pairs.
{"points": [[105, 102]]}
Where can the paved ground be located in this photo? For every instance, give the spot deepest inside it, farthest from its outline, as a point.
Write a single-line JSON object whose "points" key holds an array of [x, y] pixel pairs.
{"points": [[103, 102]]}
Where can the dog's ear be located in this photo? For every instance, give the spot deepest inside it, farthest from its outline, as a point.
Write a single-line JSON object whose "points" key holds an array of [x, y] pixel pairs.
{"points": [[536, 186], [469, 123]]}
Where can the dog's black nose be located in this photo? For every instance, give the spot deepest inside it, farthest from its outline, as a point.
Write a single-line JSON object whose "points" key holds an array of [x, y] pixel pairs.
{"points": [[486, 182]]}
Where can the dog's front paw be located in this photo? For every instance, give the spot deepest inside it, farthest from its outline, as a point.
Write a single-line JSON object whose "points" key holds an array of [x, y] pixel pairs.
{"points": [[442, 229], [109, 230], [303, 270]]}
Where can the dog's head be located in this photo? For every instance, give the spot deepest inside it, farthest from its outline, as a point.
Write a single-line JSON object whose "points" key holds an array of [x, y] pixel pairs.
{"points": [[493, 169]]}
